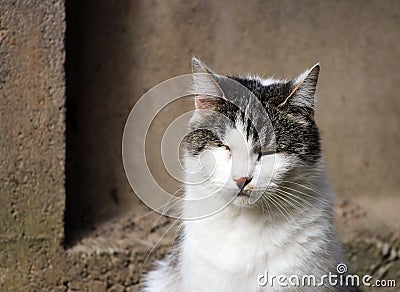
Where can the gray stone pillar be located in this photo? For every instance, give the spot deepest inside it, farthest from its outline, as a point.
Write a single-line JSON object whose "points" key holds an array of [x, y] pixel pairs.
{"points": [[32, 141]]}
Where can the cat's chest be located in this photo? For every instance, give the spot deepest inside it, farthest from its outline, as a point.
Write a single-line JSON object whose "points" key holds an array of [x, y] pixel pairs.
{"points": [[237, 246], [229, 256]]}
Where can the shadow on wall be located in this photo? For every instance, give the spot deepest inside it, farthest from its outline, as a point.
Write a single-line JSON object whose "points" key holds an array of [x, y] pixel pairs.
{"points": [[97, 106], [116, 51]]}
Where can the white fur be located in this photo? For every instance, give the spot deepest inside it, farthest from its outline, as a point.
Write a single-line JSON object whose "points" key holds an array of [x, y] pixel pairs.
{"points": [[265, 81], [269, 81], [228, 250]]}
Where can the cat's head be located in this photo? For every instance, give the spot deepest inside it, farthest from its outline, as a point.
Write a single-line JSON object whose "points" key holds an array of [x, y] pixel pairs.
{"points": [[250, 136]]}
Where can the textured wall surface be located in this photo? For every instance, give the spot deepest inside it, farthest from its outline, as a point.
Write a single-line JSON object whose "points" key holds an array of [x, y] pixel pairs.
{"points": [[32, 97], [119, 49]]}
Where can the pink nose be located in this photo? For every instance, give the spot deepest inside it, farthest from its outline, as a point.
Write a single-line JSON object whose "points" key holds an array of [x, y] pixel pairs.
{"points": [[242, 181]]}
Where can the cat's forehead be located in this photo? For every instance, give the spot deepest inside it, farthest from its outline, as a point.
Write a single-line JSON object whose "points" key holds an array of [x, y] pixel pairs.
{"points": [[269, 90], [229, 126], [242, 133], [237, 111]]}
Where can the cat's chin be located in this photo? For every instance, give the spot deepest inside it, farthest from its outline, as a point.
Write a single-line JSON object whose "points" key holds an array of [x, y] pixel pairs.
{"points": [[242, 200]]}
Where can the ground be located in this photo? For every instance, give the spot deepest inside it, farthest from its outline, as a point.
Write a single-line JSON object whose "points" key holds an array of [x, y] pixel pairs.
{"points": [[114, 255]]}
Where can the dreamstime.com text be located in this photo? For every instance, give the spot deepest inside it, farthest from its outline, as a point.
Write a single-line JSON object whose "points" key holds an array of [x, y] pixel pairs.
{"points": [[341, 278]]}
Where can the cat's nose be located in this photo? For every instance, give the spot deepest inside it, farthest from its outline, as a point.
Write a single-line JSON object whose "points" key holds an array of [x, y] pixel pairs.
{"points": [[242, 181]]}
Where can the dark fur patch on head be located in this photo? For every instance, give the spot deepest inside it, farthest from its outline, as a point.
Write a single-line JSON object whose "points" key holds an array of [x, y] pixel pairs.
{"points": [[272, 94], [198, 140], [295, 132]]}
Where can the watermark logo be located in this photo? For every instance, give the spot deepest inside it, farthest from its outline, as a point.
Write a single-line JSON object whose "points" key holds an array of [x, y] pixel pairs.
{"points": [[341, 268], [339, 279]]}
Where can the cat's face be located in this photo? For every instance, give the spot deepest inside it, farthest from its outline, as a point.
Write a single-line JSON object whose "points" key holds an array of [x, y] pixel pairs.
{"points": [[248, 136]]}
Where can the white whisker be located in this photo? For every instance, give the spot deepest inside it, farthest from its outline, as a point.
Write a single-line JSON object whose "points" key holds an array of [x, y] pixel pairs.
{"points": [[155, 245]]}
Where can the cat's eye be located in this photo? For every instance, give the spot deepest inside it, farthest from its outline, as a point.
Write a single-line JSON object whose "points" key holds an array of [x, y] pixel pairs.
{"points": [[220, 145], [265, 153], [226, 147]]}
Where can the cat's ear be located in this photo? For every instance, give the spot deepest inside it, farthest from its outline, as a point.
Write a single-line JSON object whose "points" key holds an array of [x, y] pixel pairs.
{"points": [[205, 87], [302, 95]]}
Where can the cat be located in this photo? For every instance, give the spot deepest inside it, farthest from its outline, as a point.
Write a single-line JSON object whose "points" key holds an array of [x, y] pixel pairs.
{"points": [[262, 201]]}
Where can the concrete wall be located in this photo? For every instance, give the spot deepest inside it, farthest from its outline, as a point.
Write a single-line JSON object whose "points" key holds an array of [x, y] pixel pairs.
{"points": [[123, 48], [119, 49], [32, 97]]}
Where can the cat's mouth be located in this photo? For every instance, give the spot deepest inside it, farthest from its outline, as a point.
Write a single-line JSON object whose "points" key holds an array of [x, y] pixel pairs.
{"points": [[243, 193]]}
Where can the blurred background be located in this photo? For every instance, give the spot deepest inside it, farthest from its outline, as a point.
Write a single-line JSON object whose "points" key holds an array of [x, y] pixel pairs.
{"points": [[118, 50], [115, 51]]}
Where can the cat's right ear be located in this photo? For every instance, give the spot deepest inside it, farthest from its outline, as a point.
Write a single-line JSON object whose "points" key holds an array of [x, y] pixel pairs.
{"points": [[302, 95], [206, 90]]}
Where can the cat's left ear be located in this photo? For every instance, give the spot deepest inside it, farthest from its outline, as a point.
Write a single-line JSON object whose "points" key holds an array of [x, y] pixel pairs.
{"points": [[302, 95]]}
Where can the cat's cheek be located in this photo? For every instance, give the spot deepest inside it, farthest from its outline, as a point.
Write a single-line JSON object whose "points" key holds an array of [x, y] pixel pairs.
{"points": [[223, 168]]}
